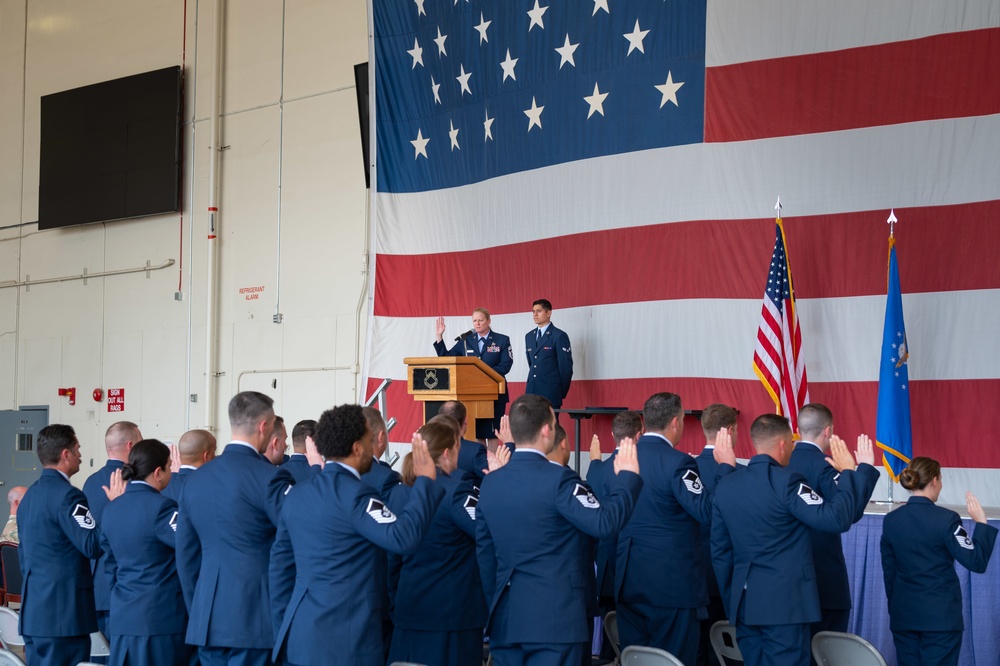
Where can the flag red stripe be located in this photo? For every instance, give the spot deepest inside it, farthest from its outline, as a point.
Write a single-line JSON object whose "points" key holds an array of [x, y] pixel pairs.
{"points": [[921, 79], [703, 259], [953, 442]]}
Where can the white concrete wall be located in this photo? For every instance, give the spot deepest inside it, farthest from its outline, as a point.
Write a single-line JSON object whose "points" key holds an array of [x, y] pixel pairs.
{"points": [[294, 57]]}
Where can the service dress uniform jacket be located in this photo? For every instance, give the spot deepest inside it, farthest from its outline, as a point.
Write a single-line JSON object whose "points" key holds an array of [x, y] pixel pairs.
{"points": [[177, 481], [327, 588], [550, 364], [300, 469], [93, 488], [607, 549], [139, 538], [59, 537], [225, 529], [472, 460], [828, 551], [499, 355], [532, 519], [439, 589]]}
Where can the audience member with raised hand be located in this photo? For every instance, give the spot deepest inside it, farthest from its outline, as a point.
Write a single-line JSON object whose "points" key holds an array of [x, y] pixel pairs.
{"points": [[325, 572], [920, 544], [148, 617], [440, 611]]}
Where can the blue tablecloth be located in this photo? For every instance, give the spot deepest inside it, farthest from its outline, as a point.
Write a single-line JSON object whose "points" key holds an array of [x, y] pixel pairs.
{"points": [[870, 615]]}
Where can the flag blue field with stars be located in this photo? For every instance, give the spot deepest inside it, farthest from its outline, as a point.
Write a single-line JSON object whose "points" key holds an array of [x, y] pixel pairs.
{"points": [[467, 90], [893, 432]]}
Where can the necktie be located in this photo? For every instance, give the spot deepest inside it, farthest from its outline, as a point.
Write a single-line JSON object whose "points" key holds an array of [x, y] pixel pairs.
{"points": [[481, 341], [538, 335]]}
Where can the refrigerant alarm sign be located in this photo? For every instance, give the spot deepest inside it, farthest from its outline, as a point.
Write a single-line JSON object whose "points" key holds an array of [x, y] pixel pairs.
{"points": [[116, 400]]}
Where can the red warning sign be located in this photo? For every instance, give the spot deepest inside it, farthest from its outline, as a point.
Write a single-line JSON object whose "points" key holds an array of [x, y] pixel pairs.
{"points": [[116, 400]]}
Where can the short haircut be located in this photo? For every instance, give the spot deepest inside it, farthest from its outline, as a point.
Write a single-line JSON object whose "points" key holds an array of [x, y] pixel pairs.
{"points": [[626, 424], [194, 443], [302, 429], [560, 434], [376, 422], [52, 440], [486, 313], [660, 409], [279, 422], [146, 457], [527, 416], [247, 409], [715, 417], [455, 410], [120, 433], [766, 428], [813, 419], [919, 473], [338, 429], [15, 494], [544, 302]]}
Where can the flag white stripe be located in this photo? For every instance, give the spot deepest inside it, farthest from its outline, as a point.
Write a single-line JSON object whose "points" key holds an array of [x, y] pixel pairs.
{"points": [[933, 163]]}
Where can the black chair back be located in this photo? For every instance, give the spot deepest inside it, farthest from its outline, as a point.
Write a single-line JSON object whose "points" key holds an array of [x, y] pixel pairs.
{"points": [[11, 568]]}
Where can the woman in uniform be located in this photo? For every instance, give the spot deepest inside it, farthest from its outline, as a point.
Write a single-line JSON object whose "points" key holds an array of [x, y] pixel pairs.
{"points": [[148, 617], [920, 543], [440, 610]]}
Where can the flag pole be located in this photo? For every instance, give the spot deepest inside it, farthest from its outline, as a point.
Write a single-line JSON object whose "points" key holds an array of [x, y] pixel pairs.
{"points": [[891, 221]]}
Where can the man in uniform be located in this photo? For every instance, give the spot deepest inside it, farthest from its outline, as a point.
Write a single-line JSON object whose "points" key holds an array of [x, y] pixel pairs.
{"points": [[533, 519], [760, 541], [14, 496], [225, 528], [660, 582], [118, 441], [275, 451], [59, 539], [809, 459], [298, 463], [472, 458], [196, 447], [550, 358]]}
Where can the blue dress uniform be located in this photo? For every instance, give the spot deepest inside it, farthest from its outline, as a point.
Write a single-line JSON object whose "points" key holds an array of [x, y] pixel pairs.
{"points": [[93, 488], [472, 460], [498, 354], [300, 469], [920, 543], [440, 610], [148, 618], [327, 587], [532, 523], [828, 551], [763, 556], [550, 364], [660, 581], [59, 537], [177, 481], [607, 549], [225, 529]]}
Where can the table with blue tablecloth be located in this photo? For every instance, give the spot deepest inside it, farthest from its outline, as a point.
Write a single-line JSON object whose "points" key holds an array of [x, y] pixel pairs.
{"points": [[870, 615]]}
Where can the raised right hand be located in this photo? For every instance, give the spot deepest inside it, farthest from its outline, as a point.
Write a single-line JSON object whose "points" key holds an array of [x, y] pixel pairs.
{"points": [[439, 329], [975, 509], [423, 464], [627, 457]]}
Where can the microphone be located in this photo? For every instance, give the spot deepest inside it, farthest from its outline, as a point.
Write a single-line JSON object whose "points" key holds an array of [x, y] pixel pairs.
{"points": [[459, 338]]}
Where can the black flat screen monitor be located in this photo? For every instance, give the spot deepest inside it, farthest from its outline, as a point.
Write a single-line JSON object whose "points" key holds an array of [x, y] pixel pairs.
{"points": [[111, 150]]}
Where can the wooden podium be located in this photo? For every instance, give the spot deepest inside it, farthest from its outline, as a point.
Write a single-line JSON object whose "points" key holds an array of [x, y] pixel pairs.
{"points": [[437, 379]]}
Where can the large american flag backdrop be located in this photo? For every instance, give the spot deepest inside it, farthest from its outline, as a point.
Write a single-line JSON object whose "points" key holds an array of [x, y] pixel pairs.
{"points": [[622, 159]]}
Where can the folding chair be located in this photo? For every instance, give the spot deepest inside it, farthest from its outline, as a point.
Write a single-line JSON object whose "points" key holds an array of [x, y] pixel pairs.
{"points": [[832, 648], [8, 658], [99, 646], [723, 638], [9, 634], [611, 631], [636, 655]]}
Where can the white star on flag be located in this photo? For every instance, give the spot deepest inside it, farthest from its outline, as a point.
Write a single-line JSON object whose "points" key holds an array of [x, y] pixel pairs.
{"points": [[435, 87], [566, 52], [417, 54], [534, 115], [488, 127], [536, 16], [439, 40], [596, 102], [453, 135], [463, 80], [420, 145], [481, 28], [508, 67], [601, 4], [420, 7], [635, 39], [669, 90]]}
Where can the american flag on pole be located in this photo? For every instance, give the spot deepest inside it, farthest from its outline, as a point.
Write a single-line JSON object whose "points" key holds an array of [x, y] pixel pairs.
{"points": [[620, 159], [778, 359]]}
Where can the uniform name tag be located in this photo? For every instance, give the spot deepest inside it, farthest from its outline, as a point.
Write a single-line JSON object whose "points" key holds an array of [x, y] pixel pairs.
{"points": [[808, 495], [471, 502], [962, 537], [81, 514], [379, 512], [692, 482], [585, 497]]}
